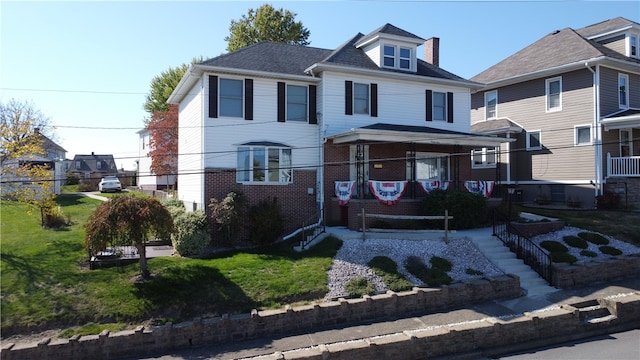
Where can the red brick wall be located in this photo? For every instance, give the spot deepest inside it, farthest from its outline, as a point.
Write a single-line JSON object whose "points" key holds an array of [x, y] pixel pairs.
{"points": [[296, 204]]}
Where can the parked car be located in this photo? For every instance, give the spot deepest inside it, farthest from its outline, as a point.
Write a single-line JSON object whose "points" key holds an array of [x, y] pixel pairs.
{"points": [[109, 183]]}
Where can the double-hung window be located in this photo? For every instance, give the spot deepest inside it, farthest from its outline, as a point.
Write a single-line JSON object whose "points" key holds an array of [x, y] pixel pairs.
{"points": [[534, 140], [397, 57], [296, 103], [389, 56], [623, 92], [264, 164], [361, 98], [491, 104], [554, 94], [439, 106], [231, 97], [405, 58], [633, 46], [582, 135], [429, 166], [484, 158]]}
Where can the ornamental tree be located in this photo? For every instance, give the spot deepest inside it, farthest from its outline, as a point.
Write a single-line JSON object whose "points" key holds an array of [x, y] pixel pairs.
{"points": [[266, 24], [163, 129], [128, 221]]}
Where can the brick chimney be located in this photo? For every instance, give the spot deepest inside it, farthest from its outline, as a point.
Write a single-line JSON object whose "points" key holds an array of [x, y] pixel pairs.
{"points": [[432, 51]]}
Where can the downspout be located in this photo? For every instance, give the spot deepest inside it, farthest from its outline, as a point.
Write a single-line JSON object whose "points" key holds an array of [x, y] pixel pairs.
{"points": [[597, 129], [508, 158]]}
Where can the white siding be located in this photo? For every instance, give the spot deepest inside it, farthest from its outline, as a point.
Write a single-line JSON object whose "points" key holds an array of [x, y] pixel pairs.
{"points": [[399, 103], [190, 166], [224, 134]]}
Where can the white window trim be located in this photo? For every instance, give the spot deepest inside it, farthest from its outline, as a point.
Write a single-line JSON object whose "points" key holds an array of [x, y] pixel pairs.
{"points": [[546, 91], [286, 96], [626, 81], [484, 152], [433, 106], [429, 155], [410, 58], [220, 97], [397, 58], [528, 135], [486, 105], [368, 99], [251, 170], [575, 135]]}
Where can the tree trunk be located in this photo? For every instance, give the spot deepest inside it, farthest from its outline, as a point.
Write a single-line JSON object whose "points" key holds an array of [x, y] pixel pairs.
{"points": [[142, 251]]}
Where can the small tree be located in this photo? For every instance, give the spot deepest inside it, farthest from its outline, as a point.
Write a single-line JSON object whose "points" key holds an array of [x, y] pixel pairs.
{"points": [[229, 215], [128, 221], [266, 24], [163, 130]]}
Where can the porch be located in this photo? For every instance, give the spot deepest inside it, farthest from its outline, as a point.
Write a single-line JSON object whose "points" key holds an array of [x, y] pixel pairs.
{"points": [[623, 166]]}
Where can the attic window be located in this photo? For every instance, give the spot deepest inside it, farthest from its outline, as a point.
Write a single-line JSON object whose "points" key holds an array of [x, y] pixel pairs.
{"points": [[389, 56], [405, 58], [397, 57]]}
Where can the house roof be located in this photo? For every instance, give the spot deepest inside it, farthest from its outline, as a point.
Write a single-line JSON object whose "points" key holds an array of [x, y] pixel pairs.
{"points": [[50, 144], [416, 134], [386, 30], [606, 26], [622, 119], [89, 163], [495, 126], [556, 51]]}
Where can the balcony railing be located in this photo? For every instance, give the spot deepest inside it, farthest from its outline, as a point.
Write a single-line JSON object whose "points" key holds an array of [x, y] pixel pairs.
{"points": [[623, 166]]}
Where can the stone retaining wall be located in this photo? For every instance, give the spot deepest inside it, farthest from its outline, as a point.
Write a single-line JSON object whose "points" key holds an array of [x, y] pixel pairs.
{"points": [[201, 332], [584, 273]]}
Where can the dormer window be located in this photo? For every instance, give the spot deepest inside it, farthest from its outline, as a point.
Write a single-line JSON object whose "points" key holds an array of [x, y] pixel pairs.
{"points": [[633, 46], [397, 57]]}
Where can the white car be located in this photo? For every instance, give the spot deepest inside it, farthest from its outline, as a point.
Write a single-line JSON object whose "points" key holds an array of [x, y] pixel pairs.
{"points": [[109, 183]]}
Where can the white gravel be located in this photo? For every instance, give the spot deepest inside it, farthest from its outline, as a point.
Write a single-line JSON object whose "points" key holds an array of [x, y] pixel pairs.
{"points": [[352, 258]]}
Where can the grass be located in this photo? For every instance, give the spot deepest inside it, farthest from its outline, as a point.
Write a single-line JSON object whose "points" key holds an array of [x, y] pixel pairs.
{"points": [[44, 284], [622, 225]]}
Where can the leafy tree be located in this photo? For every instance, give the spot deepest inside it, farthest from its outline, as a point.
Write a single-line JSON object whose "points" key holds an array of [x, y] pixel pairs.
{"points": [[163, 130], [161, 88], [266, 24], [128, 221], [26, 174]]}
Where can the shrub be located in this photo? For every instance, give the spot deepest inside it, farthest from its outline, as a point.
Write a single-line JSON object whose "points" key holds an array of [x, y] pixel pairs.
{"points": [[266, 222], [431, 276], [563, 257], [54, 217], [588, 253], [610, 250], [468, 210], [471, 271], [575, 242], [441, 263], [190, 236], [89, 185], [359, 286], [72, 179], [553, 246], [175, 207], [608, 200], [229, 216], [387, 269], [594, 238]]}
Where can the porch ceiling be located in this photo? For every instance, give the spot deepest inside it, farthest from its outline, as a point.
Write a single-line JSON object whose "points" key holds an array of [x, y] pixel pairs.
{"points": [[415, 134], [628, 119]]}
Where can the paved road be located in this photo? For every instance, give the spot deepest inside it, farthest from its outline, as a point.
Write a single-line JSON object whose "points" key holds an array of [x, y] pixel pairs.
{"points": [[620, 346]]}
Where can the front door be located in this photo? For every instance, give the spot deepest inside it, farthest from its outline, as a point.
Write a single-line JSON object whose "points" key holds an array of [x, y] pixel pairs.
{"points": [[359, 168]]}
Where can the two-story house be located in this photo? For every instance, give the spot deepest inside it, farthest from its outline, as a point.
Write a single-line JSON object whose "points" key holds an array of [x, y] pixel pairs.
{"points": [[286, 121], [571, 100], [93, 166]]}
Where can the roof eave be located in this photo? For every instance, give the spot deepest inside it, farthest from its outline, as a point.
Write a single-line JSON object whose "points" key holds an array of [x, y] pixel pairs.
{"points": [[418, 138], [319, 67]]}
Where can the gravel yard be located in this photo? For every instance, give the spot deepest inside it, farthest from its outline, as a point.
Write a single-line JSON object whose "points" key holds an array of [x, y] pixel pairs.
{"points": [[352, 258]]}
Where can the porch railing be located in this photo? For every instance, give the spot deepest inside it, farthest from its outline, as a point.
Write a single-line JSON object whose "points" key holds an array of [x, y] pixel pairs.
{"points": [[309, 231], [627, 166], [532, 254]]}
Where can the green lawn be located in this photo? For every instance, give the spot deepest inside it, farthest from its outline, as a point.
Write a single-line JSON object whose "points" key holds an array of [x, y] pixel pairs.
{"points": [[46, 283]]}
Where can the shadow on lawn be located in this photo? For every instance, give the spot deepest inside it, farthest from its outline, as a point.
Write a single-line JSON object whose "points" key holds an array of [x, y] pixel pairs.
{"points": [[28, 272], [193, 290]]}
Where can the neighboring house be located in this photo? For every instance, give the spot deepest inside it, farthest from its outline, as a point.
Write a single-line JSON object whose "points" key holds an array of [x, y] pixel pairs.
{"points": [[93, 167], [53, 157], [286, 121], [572, 102], [146, 179]]}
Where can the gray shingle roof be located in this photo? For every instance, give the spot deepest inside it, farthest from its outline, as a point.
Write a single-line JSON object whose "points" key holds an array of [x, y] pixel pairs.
{"points": [[288, 59], [391, 30], [414, 129], [558, 48]]}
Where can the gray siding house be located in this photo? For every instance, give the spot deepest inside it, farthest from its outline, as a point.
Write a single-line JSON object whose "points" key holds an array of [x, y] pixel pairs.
{"points": [[571, 101]]}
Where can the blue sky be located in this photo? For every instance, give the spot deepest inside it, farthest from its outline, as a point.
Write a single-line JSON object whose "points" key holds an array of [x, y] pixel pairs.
{"points": [[87, 65]]}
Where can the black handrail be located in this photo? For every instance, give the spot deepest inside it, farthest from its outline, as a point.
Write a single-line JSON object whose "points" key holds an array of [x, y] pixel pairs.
{"points": [[532, 254], [311, 229]]}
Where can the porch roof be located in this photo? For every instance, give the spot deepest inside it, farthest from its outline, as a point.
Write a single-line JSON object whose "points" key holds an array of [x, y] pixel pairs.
{"points": [[621, 120], [415, 134]]}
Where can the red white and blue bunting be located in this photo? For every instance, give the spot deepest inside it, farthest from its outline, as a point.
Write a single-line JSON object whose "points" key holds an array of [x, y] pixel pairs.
{"points": [[480, 187], [387, 192], [344, 191], [429, 185]]}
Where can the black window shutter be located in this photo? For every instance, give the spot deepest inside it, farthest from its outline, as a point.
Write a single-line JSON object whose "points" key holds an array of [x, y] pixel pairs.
{"points": [[449, 107], [429, 107], [313, 108], [348, 97], [282, 102], [248, 99], [213, 96], [374, 100]]}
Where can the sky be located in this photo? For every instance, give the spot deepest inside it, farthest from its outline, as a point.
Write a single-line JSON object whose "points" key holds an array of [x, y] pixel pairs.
{"points": [[87, 65]]}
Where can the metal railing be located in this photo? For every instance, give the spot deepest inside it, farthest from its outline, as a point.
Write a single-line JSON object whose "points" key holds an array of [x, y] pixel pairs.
{"points": [[310, 230], [623, 165], [532, 254]]}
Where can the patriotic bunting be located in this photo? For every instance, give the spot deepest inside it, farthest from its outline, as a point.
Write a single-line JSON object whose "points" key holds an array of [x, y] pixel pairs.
{"points": [[344, 191], [480, 187], [429, 185], [387, 192]]}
